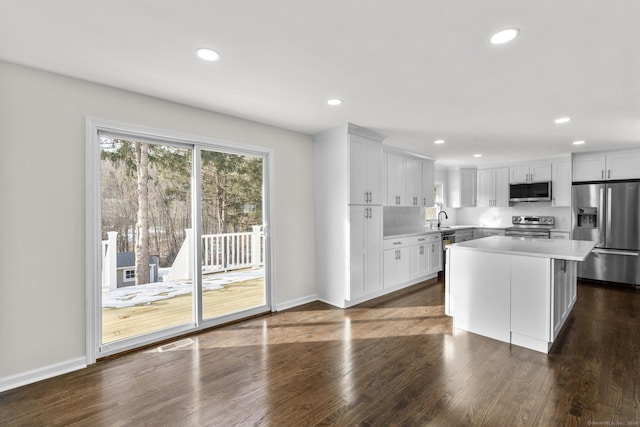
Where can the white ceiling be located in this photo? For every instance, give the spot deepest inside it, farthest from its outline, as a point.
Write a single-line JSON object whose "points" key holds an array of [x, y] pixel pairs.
{"points": [[413, 70]]}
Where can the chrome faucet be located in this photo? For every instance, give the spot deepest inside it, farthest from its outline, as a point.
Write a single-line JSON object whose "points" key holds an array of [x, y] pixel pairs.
{"points": [[445, 217]]}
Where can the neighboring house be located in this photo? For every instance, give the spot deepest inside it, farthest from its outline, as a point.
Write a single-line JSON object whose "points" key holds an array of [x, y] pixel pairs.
{"points": [[126, 270]]}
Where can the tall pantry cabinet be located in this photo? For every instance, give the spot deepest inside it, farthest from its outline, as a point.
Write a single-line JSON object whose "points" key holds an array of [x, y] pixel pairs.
{"points": [[348, 198]]}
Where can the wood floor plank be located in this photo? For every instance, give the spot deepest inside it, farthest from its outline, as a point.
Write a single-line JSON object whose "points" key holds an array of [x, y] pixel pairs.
{"points": [[392, 361]]}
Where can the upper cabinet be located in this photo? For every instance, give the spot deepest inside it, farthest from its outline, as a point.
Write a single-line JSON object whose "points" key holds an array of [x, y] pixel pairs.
{"points": [[606, 166], [409, 180], [493, 187], [396, 167], [561, 183], [530, 172], [461, 188], [365, 171], [428, 181]]}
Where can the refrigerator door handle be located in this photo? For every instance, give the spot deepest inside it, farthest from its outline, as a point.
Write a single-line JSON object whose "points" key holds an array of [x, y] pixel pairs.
{"points": [[607, 232], [612, 252], [601, 218]]}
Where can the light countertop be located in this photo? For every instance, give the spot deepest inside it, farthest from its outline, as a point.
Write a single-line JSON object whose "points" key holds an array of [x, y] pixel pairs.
{"points": [[571, 250]]}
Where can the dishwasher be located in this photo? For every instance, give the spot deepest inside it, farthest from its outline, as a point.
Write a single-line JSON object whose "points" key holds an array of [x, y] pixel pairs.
{"points": [[448, 237]]}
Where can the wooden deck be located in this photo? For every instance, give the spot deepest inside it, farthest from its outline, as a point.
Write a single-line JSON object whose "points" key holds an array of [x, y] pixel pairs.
{"points": [[121, 323]]}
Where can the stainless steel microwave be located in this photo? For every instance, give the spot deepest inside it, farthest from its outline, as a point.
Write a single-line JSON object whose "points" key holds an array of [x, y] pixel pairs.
{"points": [[531, 192]]}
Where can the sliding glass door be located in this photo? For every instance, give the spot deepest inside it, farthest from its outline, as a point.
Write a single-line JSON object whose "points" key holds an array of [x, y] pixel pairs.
{"points": [[182, 237], [232, 233]]}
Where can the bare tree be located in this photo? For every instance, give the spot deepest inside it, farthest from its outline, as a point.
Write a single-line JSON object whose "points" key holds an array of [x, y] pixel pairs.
{"points": [[142, 223]]}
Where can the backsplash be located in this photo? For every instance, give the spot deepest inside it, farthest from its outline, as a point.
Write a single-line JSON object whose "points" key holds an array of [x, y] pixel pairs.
{"points": [[402, 220], [501, 217]]}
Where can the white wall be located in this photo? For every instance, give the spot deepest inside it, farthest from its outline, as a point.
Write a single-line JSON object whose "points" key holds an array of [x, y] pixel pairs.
{"points": [[42, 132]]}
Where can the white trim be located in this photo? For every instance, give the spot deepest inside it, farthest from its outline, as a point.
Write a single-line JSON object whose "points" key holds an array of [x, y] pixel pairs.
{"points": [[296, 302], [93, 228], [43, 373]]}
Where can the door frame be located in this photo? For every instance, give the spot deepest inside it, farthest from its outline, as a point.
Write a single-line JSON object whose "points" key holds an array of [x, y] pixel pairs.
{"points": [[93, 229]]}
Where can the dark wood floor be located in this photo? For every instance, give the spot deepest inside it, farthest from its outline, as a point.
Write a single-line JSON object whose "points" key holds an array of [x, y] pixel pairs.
{"points": [[392, 361]]}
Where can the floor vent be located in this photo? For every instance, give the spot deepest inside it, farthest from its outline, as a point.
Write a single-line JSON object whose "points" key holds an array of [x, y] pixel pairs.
{"points": [[174, 345]]}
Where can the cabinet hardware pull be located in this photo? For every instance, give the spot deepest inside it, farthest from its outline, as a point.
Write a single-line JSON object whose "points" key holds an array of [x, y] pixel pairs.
{"points": [[609, 173], [397, 243], [421, 240], [602, 173]]}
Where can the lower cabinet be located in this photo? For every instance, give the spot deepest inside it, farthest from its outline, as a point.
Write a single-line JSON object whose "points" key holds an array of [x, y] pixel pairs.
{"points": [[397, 262], [410, 258], [464, 235], [364, 264]]}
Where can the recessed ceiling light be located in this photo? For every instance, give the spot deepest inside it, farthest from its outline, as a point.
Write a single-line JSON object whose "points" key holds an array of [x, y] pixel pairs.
{"points": [[477, 155], [207, 54], [439, 141], [334, 101], [561, 120], [578, 142], [505, 36]]}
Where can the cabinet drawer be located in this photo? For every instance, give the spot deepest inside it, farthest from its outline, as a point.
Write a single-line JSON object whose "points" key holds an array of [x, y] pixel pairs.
{"points": [[396, 243], [424, 239]]}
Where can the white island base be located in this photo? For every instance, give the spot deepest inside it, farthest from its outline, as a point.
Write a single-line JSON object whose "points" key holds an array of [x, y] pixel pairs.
{"points": [[513, 290]]}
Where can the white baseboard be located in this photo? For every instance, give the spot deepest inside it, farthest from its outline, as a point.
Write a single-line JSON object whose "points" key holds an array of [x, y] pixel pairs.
{"points": [[296, 302], [39, 374]]}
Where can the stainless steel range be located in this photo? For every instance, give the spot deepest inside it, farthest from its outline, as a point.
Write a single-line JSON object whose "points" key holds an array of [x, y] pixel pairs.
{"points": [[538, 227]]}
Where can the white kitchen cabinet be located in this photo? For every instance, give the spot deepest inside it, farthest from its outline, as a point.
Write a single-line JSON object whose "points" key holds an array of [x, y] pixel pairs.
{"points": [[428, 181], [561, 183], [461, 187], [530, 172], [464, 235], [348, 235], [426, 255], [413, 182], [564, 293], [397, 262], [434, 249], [365, 171], [396, 174], [409, 180], [602, 166], [366, 246], [493, 187]]}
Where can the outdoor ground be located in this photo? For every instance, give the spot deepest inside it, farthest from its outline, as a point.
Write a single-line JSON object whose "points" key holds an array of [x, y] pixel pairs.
{"points": [[162, 309]]}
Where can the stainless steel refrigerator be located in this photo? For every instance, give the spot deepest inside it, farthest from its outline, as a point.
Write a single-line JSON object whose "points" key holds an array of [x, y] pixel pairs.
{"points": [[609, 214]]}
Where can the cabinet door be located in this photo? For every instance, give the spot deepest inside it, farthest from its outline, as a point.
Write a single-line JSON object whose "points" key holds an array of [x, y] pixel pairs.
{"points": [[561, 183], [428, 180], [519, 174], [468, 187], [357, 170], [485, 188], [623, 165], [365, 175], [396, 180], [435, 257], [501, 187], [374, 172], [357, 251], [403, 265], [373, 248], [540, 172], [588, 167], [389, 267], [414, 182], [372, 270]]}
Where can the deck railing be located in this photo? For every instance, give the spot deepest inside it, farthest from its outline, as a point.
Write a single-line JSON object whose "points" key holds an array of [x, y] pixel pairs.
{"points": [[220, 252]]}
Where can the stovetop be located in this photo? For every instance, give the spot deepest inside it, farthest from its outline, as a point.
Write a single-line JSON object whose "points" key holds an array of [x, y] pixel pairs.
{"points": [[532, 222]]}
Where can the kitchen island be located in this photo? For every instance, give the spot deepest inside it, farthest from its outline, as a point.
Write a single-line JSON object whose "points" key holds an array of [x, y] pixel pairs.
{"points": [[516, 290]]}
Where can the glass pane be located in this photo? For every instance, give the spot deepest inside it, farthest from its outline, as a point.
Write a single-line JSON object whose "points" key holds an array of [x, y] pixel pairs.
{"points": [[232, 236], [146, 227]]}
